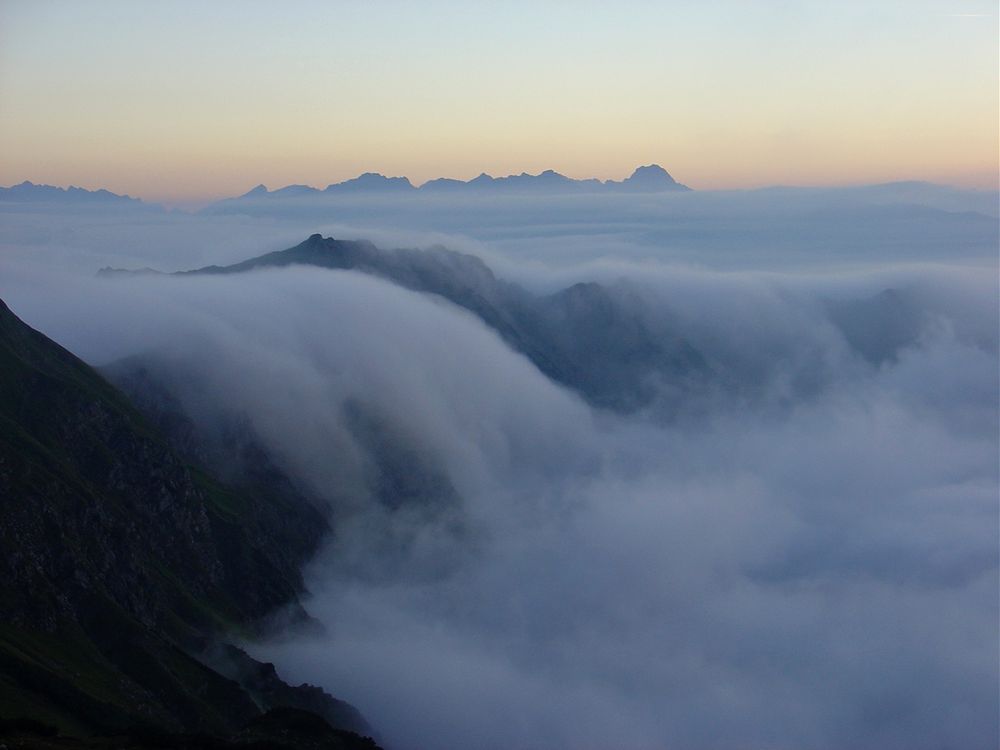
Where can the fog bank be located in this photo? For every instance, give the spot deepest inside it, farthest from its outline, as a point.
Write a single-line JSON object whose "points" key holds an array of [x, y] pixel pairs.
{"points": [[806, 555]]}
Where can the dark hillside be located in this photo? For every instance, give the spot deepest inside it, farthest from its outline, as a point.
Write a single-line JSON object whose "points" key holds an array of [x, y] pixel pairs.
{"points": [[120, 560]]}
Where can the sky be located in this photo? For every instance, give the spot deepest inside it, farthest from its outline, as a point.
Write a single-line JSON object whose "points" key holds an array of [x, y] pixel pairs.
{"points": [[188, 101]]}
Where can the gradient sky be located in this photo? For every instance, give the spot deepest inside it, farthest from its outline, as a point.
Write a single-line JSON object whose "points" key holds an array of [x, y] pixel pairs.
{"points": [[185, 101]]}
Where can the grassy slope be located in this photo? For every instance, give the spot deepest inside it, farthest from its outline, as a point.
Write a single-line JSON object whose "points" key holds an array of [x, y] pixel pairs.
{"points": [[102, 588]]}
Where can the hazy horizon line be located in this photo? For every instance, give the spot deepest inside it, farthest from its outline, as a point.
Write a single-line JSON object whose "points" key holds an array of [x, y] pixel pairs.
{"points": [[203, 200]]}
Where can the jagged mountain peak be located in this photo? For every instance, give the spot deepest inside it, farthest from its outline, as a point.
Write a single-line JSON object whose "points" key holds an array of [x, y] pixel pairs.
{"points": [[373, 181]]}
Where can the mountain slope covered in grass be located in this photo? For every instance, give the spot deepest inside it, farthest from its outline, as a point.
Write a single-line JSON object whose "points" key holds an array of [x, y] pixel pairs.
{"points": [[124, 566]]}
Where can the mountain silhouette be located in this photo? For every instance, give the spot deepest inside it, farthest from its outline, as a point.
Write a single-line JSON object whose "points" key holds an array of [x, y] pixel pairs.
{"points": [[593, 338], [648, 179], [29, 192], [371, 182]]}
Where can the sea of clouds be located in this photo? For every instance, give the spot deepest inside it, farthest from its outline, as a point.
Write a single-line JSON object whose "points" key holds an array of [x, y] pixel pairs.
{"points": [[806, 557]]}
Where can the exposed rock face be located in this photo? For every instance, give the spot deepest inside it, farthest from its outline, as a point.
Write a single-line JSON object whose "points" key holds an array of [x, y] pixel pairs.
{"points": [[261, 681], [121, 560]]}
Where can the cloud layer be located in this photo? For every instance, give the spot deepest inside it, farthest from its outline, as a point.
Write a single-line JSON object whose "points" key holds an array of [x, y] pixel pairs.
{"points": [[806, 556]]}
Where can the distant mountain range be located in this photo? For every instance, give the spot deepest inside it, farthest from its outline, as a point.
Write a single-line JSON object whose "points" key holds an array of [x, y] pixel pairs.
{"points": [[29, 192], [649, 179]]}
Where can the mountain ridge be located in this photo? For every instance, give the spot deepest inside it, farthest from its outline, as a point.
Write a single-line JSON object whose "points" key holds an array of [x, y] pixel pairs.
{"points": [[651, 178], [30, 192], [608, 368], [598, 339]]}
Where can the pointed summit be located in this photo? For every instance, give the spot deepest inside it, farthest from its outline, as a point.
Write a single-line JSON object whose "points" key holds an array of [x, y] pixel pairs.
{"points": [[256, 192], [651, 171], [651, 178]]}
